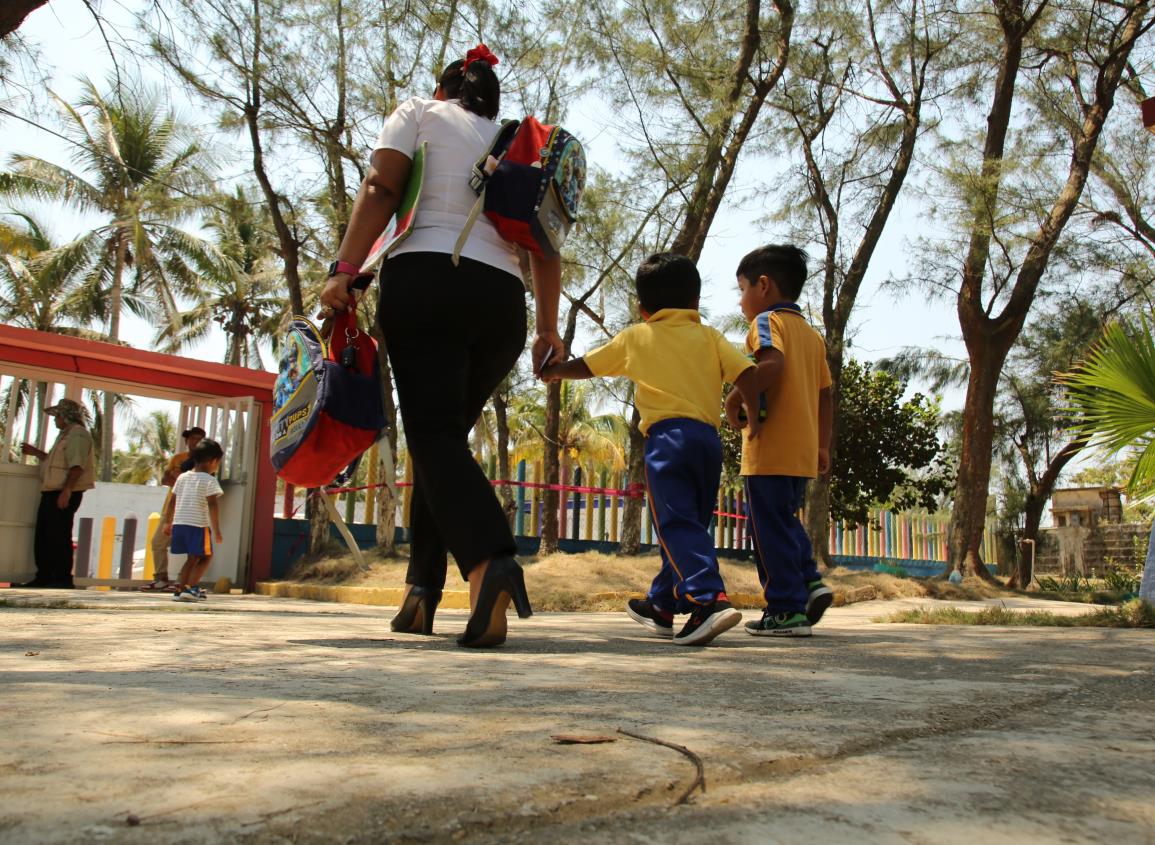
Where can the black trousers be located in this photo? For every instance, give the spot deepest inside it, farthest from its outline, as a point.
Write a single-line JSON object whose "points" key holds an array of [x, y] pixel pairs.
{"points": [[53, 544], [453, 334]]}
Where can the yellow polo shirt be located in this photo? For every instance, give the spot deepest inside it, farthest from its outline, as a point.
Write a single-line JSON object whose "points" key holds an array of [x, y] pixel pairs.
{"points": [[678, 365], [788, 444]]}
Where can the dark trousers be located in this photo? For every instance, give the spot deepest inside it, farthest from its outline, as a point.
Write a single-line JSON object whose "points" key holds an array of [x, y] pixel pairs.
{"points": [[683, 468], [453, 334], [53, 543], [782, 549]]}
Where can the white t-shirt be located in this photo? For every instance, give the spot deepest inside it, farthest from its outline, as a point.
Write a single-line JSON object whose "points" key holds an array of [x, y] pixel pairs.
{"points": [[457, 139], [192, 490]]}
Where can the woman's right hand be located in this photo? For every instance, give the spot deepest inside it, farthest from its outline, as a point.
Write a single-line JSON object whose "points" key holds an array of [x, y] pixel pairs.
{"points": [[548, 348], [336, 295]]}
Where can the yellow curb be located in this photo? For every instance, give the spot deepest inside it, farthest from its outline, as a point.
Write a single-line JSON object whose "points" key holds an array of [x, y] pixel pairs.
{"points": [[376, 596]]}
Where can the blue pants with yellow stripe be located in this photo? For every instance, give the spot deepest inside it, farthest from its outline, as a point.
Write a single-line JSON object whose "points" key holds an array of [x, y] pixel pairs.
{"points": [[683, 468], [782, 548]]}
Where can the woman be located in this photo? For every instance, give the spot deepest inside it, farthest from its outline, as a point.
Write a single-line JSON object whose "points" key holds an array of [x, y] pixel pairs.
{"points": [[452, 333]]}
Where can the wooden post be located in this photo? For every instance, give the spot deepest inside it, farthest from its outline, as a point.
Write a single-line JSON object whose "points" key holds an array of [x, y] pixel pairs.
{"points": [[519, 519], [535, 501], [287, 505], [372, 479], [604, 482], [576, 532], [407, 495], [615, 503]]}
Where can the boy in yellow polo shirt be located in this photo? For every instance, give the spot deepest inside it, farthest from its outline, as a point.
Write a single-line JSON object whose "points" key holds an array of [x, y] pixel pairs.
{"points": [[679, 367], [796, 413]]}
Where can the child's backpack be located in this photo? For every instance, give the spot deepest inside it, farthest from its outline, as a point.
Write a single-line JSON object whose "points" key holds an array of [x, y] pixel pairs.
{"points": [[327, 408], [529, 184]]}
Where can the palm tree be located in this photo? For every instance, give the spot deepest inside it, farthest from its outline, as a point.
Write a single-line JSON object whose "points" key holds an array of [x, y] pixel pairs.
{"points": [[136, 169], [1113, 397], [239, 285], [39, 289], [151, 442]]}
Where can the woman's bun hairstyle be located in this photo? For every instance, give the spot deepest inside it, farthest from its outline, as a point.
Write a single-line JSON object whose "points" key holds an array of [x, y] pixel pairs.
{"points": [[473, 81]]}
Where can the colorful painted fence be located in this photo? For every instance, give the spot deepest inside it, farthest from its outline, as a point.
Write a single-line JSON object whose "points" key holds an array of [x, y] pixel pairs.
{"points": [[590, 510]]}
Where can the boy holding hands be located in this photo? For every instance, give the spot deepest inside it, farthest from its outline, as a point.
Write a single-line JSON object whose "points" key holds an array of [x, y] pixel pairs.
{"points": [[796, 411], [192, 518], [679, 366]]}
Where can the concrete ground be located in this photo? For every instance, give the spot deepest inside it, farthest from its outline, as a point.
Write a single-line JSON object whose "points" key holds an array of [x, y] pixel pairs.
{"points": [[257, 720]]}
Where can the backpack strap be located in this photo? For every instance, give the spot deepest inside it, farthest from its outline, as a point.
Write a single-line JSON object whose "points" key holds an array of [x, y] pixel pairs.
{"points": [[480, 174], [474, 213]]}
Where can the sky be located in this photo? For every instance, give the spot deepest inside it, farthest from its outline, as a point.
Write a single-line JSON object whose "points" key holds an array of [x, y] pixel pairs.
{"points": [[72, 46]]}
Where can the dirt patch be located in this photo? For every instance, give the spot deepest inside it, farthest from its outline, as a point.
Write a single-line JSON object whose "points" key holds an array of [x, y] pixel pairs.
{"points": [[590, 581]]}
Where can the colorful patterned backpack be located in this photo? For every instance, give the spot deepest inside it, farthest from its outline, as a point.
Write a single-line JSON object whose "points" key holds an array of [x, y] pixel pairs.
{"points": [[529, 184], [327, 408]]}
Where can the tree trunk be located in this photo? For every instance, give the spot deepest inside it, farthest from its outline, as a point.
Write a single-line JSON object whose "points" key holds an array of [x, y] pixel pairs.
{"points": [[318, 516], [725, 141], [550, 499], [989, 337], [631, 542], [501, 417], [108, 423], [13, 13], [1034, 507], [968, 517], [818, 519], [386, 516]]}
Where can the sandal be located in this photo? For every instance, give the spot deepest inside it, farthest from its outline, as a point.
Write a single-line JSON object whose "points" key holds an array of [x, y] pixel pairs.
{"points": [[158, 587]]}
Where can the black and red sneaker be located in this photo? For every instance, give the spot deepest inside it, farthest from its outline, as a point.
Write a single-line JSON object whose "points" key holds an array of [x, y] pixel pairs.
{"points": [[708, 621], [649, 617]]}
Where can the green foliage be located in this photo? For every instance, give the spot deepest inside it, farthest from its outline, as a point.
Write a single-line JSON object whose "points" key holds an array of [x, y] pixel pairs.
{"points": [[888, 451], [1112, 398]]}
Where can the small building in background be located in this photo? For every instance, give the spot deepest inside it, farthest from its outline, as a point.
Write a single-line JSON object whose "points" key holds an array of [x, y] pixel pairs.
{"points": [[1086, 506]]}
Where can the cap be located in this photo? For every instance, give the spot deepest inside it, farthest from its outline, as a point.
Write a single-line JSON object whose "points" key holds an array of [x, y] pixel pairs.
{"points": [[68, 409], [188, 432]]}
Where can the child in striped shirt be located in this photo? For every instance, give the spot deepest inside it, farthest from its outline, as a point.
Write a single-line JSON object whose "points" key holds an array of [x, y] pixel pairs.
{"points": [[192, 518]]}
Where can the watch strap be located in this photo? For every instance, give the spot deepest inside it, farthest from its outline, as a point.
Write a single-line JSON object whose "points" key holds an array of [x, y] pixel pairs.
{"points": [[343, 267]]}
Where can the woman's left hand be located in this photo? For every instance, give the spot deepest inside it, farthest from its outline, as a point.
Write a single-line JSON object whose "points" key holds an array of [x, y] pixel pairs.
{"points": [[548, 348]]}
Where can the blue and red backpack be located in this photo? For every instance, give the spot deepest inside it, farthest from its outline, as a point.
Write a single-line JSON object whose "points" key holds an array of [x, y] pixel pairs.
{"points": [[327, 407], [529, 184]]}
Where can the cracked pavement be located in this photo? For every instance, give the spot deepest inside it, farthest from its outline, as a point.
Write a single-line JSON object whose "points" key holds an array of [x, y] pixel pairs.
{"points": [[257, 720]]}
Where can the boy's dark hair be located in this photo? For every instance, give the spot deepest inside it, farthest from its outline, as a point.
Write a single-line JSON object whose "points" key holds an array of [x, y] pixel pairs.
{"points": [[785, 264], [476, 86], [207, 450], [667, 280]]}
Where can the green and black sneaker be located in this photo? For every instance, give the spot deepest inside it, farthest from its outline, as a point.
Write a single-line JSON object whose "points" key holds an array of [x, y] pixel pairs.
{"points": [[779, 625], [820, 598]]}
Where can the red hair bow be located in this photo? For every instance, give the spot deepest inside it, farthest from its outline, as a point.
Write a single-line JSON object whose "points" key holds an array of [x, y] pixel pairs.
{"points": [[480, 53]]}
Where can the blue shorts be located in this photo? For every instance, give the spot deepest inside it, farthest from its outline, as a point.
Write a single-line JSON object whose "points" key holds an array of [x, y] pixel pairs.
{"points": [[192, 540]]}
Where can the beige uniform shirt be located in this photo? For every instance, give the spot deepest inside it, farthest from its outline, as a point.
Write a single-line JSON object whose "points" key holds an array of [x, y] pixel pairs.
{"points": [[73, 448]]}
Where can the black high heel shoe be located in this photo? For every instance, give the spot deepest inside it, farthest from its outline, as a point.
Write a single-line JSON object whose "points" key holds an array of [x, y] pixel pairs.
{"points": [[503, 583], [416, 613]]}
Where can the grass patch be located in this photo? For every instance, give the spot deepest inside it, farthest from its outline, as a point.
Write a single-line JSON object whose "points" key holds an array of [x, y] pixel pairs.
{"points": [[1133, 614]]}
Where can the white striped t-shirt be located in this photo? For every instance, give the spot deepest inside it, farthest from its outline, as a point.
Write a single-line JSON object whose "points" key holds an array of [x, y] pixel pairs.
{"points": [[192, 491]]}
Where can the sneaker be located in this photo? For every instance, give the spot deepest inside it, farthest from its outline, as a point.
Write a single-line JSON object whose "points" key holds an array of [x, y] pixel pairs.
{"points": [[820, 598], [708, 621], [650, 618], [779, 625], [200, 594], [185, 595]]}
